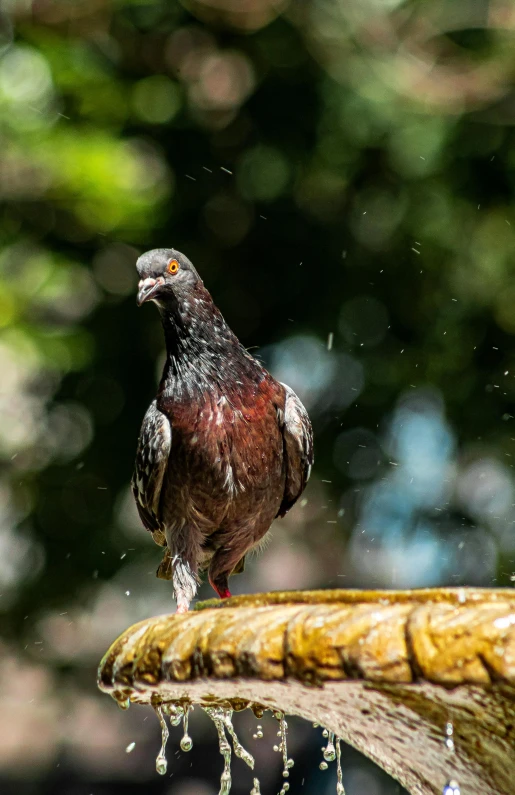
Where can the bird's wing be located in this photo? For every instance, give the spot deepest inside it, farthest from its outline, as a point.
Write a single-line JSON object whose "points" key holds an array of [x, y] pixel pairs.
{"points": [[298, 448], [154, 445]]}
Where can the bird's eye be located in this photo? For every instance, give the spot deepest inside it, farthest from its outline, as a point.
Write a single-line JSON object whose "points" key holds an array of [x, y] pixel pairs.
{"points": [[173, 267]]}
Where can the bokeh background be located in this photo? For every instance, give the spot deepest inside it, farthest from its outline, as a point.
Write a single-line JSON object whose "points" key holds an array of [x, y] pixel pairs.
{"points": [[342, 175]]}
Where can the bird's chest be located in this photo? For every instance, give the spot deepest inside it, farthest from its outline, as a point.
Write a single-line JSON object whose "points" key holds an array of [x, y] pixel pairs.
{"points": [[225, 446]]}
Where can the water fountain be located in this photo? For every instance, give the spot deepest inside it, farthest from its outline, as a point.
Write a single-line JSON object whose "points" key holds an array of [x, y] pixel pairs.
{"points": [[422, 682]]}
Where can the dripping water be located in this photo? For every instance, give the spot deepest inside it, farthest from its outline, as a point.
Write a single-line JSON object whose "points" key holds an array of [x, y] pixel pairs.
{"points": [[161, 763], [256, 789], [222, 718], [239, 750], [225, 748], [175, 713], [329, 751], [123, 702], [186, 741], [283, 748], [340, 789]]}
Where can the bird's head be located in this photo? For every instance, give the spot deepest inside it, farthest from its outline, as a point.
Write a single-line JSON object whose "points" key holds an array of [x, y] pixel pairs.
{"points": [[166, 276]]}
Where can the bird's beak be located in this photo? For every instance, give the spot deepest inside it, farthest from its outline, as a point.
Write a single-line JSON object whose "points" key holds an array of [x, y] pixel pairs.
{"points": [[147, 288]]}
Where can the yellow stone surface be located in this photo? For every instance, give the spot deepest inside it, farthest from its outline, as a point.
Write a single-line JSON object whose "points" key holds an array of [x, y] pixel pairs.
{"points": [[385, 670]]}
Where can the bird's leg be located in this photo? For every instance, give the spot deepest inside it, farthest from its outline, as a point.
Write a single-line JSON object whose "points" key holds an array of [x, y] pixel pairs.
{"points": [[183, 604], [184, 553], [222, 565], [221, 586], [184, 583]]}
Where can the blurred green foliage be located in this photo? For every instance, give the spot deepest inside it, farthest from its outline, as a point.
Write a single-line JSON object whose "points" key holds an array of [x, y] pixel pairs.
{"points": [[337, 168]]}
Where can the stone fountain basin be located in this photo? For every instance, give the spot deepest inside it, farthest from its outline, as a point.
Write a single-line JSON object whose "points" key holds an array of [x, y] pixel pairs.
{"points": [[386, 671]]}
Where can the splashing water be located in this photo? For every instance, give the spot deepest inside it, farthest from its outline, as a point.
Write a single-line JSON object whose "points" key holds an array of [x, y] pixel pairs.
{"points": [[161, 763], [186, 741], [225, 748], [340, 789], [449, 741], [451, 788]]}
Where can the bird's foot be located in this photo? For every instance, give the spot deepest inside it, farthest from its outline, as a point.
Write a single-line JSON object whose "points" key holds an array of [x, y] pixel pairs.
{"points": [[222, 590], [182, 608], [219, 583]]}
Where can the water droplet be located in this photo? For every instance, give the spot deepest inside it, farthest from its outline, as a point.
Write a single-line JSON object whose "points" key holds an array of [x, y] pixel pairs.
{"points": [[289, 764], [175, 713], [451, 788], [259, 734], [315, 725], [329, 750], [258, 711], [286, 773], [127, 593], [449, 731], [256, 790], [123, 701], [275, 748], [161, 765], [325, 733], [186, 743], [130, 748], [323, 766]]}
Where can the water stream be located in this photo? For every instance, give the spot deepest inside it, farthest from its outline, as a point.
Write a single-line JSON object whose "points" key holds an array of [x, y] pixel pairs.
{"points": [[222, 718]]}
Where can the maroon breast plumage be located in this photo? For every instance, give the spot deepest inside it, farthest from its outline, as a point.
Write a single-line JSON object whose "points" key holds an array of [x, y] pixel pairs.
{"points": [[223, 449]]}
